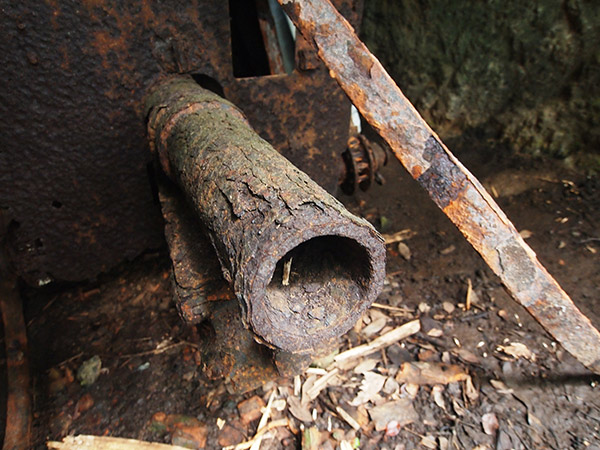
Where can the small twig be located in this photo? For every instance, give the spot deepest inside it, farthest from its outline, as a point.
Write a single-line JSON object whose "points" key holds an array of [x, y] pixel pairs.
{"points": [[269, 427], [469, 294], [158, 351], [287, 268], [391, 308], [263, 422], [72, 358], [383, 341], [348, 418], [399, 236]]}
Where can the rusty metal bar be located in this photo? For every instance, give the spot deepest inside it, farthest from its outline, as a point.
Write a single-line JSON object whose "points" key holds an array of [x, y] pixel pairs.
{"points": [[451, 186], [17, 433], [302, 267]]}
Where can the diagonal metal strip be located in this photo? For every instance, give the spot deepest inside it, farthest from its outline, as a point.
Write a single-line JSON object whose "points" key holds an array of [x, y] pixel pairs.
{"points": [[452, 187]]}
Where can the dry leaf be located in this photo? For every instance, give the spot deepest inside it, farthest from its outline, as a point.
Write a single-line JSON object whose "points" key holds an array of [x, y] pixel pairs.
{"points": [[391, 386], [311, 439], [437, 393], [458, 408], [443, 443], [466, 355], [490, 424], [298, 410], [366, 365], [471, 393], [401, 411], [424, 308], [374, 327], [517, 350], [428, 442], [430, 373], [369, 388], [345, 445]]}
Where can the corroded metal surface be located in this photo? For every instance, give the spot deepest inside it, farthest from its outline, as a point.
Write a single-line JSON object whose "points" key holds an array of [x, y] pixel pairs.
{"points": [[74, 160], [203, 297], [302, 267], [17, 433], [453, 188], [363, 160], [197, 277]]}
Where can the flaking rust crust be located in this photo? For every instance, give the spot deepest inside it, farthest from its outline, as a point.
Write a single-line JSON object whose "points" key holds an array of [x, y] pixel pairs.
{"points": [[443, 180], [259, 211], [452, 187]]}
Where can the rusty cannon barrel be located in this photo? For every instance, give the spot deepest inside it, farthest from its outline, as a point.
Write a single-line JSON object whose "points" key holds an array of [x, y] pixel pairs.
{"points": [[302, 267]]}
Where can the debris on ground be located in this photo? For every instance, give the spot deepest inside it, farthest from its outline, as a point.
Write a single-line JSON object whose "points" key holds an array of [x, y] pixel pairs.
{"points": [[423, 368]]}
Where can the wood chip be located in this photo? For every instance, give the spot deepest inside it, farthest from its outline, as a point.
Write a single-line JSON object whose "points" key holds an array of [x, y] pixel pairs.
{"points": [[84, 442], [348, 418], [374, 327], [448, 250], [401, 411], [404, 251], [430, 373], [490, 424], [259, 435], [250, 409], [383, 341]]}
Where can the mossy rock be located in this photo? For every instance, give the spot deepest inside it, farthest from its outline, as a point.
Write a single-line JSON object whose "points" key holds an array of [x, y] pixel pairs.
{"points": [[528, 73]]}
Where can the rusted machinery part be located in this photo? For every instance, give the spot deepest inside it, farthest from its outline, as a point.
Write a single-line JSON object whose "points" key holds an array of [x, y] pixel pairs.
{"points": [[452, 187], [17, 433], [204, 298], [302, 267], [197, 276], [363, 159]]}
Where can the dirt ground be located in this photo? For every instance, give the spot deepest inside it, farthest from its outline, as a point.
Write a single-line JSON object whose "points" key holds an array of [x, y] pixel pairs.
{"points": [[513, 386]]}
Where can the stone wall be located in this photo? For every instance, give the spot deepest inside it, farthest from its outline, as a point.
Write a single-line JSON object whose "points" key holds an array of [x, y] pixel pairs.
{"points": [[525, 73]]}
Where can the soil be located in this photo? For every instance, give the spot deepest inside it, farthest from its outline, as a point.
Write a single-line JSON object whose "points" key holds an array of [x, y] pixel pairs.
{"points": [[151, 365]]}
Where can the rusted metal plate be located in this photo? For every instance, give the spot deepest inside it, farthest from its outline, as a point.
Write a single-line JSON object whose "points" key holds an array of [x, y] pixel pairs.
{"points": [[452, 187], [74, 158]]}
